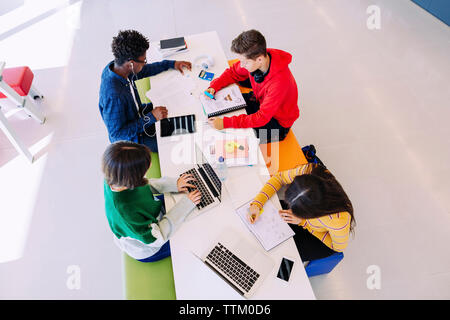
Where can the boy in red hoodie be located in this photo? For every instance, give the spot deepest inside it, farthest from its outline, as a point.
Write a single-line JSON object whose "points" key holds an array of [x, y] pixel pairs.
{"points": [[272, 106]]}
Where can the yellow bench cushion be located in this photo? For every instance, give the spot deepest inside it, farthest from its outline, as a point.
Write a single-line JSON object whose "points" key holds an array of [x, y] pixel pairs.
{"points": [[283, 155]]}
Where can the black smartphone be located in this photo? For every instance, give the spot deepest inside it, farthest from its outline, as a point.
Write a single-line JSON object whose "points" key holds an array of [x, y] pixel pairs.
{"points": [[284, 272], [177, 125]]}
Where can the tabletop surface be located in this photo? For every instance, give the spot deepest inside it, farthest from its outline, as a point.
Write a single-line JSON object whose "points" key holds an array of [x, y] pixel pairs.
{"points": [[193, 280]]}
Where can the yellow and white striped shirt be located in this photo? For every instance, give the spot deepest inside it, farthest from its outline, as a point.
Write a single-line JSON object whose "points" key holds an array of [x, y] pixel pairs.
{"points": [[333, 230]]}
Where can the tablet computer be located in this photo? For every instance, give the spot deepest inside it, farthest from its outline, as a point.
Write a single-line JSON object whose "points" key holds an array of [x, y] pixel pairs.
{"points": [[178, 125]]}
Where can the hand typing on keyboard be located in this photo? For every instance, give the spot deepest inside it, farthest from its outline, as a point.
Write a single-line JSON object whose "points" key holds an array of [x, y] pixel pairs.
{"points": [[195, 196], [183, 182], [198, 184]]}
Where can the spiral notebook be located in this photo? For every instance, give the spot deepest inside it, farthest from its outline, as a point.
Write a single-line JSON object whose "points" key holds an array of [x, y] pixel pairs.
{"points": [[226, 100]]}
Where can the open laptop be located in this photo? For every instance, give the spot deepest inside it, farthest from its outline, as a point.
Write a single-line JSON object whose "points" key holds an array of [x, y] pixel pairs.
{"points": [[207, 182], [237, 262]]}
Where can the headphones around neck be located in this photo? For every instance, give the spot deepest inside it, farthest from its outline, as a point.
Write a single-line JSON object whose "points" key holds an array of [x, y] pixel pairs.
{"points": [[258, 75]]}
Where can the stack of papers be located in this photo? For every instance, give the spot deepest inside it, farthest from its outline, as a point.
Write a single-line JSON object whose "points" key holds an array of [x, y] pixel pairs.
{"points": [[216, 147], [231, 148], [169, 47], [173, 90]]}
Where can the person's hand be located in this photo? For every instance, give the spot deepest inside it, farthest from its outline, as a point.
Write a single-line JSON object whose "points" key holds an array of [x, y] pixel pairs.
{"points": [[210, 91], [289, 217], [216, 123], [179, 65], [183, 182], [159, 113], [195, 196], [253, 213]]}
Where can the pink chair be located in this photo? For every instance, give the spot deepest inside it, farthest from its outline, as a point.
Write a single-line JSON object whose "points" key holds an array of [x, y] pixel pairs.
{"points": [[16, 84]]}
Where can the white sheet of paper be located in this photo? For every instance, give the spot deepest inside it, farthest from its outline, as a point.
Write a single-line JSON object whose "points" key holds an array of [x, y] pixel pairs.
{"points": [[270, 229], [175, 91]]}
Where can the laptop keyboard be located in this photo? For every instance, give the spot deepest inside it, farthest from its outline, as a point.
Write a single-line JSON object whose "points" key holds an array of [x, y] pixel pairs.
{"points": [[207, 199], [233, 267]]}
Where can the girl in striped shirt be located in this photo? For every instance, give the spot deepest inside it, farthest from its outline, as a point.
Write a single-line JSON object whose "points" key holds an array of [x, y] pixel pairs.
{"points": [[315, 206]]}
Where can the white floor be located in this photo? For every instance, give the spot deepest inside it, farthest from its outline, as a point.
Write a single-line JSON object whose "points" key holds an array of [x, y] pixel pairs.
{"points": [[375, 103]]}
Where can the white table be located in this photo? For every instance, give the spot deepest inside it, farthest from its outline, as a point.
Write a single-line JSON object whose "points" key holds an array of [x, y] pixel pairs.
{"points": [[194, 280]]}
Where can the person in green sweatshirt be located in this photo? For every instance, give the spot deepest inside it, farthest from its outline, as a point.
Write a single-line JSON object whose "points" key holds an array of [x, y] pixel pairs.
{"points": [[138, 220]]}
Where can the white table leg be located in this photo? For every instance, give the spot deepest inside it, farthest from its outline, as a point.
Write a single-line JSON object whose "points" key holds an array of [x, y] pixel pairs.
{"points": [[6, 128], [30, 108]]}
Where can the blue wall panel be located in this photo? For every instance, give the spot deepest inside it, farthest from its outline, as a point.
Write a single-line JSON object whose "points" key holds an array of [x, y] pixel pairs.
{"points": [[423, 3], [441, 9], [438, 8]]}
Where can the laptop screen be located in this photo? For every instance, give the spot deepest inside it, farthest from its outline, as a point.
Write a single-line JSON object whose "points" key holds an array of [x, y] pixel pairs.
{"points": [[209, 170], [199, 156]]}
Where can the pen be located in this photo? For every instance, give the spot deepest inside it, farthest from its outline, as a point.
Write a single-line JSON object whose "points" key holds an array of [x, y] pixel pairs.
{"points": [[253, 216], [209, 95]]}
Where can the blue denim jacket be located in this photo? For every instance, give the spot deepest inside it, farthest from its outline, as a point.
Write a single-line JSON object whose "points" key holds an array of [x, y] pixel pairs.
{"points": [[117, 105]]}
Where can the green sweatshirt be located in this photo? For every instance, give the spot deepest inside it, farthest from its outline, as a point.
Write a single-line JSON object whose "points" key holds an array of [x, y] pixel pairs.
{"points": [[137, 221]]}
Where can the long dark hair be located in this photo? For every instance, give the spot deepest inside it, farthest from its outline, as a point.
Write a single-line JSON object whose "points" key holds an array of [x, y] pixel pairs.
{"points": [[125, 164], [318, 194]]}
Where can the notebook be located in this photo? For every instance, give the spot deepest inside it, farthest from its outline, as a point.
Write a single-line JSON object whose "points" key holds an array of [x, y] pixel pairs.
{"points": [[226, 100], [172, 44], [244, 153]]}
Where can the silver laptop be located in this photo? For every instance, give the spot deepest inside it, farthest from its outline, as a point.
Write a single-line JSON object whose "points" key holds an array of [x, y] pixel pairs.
{"points": [[237, 262], [207, 182]]}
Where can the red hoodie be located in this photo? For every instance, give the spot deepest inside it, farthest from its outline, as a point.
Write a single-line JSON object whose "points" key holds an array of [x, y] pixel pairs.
{"points": [[277, 94]]}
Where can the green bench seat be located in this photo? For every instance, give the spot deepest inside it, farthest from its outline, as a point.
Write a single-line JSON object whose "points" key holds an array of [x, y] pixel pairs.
{"points": [[148, 280]]}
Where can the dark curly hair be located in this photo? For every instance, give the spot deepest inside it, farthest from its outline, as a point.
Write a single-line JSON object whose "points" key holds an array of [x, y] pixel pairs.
{"points": [[128, 45]]}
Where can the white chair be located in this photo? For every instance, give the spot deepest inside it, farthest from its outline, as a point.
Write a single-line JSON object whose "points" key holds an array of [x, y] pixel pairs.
{"points": [[18, 87]]}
